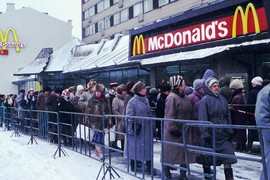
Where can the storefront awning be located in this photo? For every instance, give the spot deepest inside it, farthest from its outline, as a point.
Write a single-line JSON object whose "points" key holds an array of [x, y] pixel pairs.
{"points": [[198, 54]]}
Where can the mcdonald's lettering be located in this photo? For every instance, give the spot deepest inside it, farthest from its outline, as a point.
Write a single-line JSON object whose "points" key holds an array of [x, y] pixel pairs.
{"points": [[4, 41], [244, 21]]}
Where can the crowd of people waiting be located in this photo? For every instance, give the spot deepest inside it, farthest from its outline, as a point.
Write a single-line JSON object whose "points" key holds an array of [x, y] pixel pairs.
{"points": [[207, 100]]}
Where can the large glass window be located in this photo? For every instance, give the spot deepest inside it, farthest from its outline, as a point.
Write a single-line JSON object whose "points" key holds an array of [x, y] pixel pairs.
{"points": [[137, 9], [116, 18], [162, 2], [144, 76], [130, 75], [100, 25], [148, 5], [124, 15], [100, 6], [116, 76], [103, 78]]}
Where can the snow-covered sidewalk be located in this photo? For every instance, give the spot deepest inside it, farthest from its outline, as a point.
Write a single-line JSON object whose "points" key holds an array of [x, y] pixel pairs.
{"points": [[20, 161]]}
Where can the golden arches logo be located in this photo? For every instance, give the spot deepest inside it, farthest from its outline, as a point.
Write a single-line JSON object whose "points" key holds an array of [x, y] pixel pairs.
{"points": [[138, 45], [4, 39], [244, 18]]}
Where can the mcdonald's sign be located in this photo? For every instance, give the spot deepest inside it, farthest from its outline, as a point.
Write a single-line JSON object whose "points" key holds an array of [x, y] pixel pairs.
{"points": [[243, 20], [4, 42]]}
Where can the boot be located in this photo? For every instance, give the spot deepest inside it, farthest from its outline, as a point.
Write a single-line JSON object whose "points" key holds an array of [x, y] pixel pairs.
{"points": [[206, 170], [183, 175], [167, 172], [228, 173]]}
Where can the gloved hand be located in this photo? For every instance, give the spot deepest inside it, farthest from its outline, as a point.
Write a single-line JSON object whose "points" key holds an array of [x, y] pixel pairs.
{"points": [[138, 129]]}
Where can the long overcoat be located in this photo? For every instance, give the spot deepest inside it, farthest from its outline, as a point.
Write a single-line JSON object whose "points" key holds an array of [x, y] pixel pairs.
{"points": [[118, 108], [139, 139], [238, 118], [177, 107], [214, 108]]}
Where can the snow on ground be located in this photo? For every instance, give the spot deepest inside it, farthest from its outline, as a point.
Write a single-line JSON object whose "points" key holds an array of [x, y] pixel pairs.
{"points": [[20, 161]]}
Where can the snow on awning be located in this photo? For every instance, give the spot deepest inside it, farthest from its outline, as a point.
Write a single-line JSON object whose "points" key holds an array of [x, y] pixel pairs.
{"points": [[113, 53], [38, 65], [197, 54], [60, 58], [23, 79]]}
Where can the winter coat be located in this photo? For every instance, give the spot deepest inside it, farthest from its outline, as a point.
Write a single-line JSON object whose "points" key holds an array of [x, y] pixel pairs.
{"points": [[177, 107], [139, 130], [22, 113], [98, 107], [118, 108], [214, 108], [195, 98], [41, 102], [239, 135], [160, 111], [262, 115], [83, 101], [128, 96], [225, 91], [252, 98]]}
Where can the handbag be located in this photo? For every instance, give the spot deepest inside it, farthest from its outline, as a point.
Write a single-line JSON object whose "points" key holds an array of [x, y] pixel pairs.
{"points": [[84, 132], [98, 138]]}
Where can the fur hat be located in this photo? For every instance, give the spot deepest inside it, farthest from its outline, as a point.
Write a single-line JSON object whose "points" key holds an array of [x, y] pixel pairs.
{"points": [[257, 80], [91, 84], [120, 88], [129, 85], [138, 87], [236, 84], [153, 91], [176, 81], [99, 87], [209, 73], [198, 84], [165, 87], [188, 90], [211, 81], [80, 87]]}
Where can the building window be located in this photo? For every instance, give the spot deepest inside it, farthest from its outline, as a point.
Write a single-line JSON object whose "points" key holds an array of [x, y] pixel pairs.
{"points": [[172, 1], [124, 15], [92, 29], [137, 9], [107, 22], [115, 1], [87, 31], [100, 6], [162, 2], [92, 11], [100, 25], [148, 5], [106, 4], [116, 18]]}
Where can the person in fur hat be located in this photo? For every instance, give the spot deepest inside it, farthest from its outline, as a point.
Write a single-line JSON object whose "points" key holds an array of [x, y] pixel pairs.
{"points": [[98, 104], [239, 135], [118, 108], [136, 128], [214, 108]]}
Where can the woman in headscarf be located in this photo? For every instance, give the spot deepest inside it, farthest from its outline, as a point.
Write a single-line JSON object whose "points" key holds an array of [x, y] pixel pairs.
{"points": [[214, 108]]}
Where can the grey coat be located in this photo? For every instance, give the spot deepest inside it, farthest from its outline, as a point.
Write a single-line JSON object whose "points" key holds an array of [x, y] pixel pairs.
{"points": [[139, 148], [176, 107], [214, 108]]}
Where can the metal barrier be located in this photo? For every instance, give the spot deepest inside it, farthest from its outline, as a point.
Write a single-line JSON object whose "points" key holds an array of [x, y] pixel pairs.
{"points": [[75, 131]]}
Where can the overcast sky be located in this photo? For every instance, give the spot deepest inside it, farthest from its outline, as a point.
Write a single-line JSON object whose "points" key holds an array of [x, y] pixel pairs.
{"points": [[60, 9]]}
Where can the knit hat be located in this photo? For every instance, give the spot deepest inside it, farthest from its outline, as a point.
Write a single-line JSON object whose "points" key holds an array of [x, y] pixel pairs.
{"points": [[138, 87], [91, 84], [99, 87], [236, 84], [113, 84], [188, 90], [209, 73], [211, 81], [120, 88], [153, 91], [257, 80], [176, 81], [80, 87], [129, 85], [198, 84]]}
